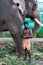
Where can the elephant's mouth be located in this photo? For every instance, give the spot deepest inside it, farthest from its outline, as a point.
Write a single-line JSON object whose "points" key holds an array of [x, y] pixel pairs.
{"points": [[38, 22]]}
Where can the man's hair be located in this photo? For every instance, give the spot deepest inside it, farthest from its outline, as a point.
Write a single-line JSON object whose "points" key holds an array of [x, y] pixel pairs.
{"points": [[25, 23]]}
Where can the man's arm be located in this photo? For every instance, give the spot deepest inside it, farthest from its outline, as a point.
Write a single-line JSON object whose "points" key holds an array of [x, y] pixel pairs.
{"points": [[30, 33]]}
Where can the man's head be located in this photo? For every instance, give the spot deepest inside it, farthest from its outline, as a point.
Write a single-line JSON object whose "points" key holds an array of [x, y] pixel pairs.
{"points": [[26, 24]]}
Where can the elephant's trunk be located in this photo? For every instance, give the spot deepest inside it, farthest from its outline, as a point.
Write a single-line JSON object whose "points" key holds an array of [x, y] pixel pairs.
{"points": [[38, 22]]}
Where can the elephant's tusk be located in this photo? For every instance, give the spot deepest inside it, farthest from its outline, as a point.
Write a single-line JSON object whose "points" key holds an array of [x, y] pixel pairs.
{"points": [[37, 21]]}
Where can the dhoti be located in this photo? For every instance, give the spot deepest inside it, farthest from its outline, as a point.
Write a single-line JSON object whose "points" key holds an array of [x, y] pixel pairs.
{"points": [[26, 43]]}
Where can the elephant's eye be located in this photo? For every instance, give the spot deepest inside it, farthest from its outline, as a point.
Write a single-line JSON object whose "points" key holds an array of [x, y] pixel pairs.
{"points": [[17, 4], [34, 6]]}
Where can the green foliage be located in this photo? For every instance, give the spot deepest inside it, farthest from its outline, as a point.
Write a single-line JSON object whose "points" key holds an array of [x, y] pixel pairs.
{"points": [[5, 34], [9, 56], [6, 49], [39, 34], [37, 51], [40, 49]]}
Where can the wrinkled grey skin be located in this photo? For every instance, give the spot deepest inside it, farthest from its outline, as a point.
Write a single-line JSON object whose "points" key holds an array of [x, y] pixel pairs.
{"points": [[12, 18]]}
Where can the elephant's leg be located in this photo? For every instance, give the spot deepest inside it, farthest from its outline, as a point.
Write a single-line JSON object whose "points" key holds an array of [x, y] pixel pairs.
{"points": [[17, 40], [16, 35], [15, 30], [14, 23]]}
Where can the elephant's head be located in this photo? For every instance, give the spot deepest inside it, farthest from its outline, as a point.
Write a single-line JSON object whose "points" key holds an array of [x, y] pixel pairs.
{"points": [[33, 13], [31, 5]]}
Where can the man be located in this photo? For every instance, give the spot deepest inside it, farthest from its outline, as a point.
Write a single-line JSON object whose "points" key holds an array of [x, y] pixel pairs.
{"points": [[27, 34]]}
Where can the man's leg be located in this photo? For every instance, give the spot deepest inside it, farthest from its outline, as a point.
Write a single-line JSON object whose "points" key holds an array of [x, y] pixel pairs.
{"points": [[25, 53], [29, 54]]}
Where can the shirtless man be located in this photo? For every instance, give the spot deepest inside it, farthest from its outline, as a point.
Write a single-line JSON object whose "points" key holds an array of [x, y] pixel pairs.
{"points": [[27, 34]]}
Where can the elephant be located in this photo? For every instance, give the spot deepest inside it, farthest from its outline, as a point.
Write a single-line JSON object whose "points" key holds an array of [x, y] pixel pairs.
{"points": [[11, 19], [12, 14]]}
